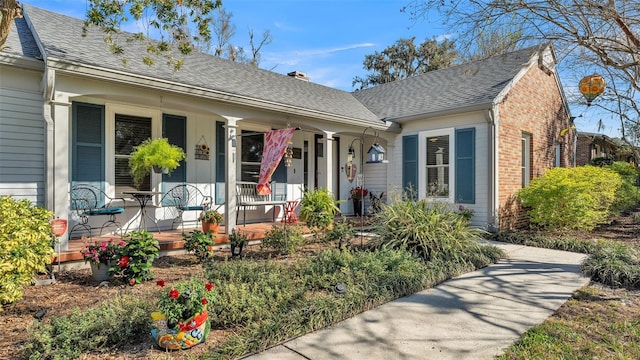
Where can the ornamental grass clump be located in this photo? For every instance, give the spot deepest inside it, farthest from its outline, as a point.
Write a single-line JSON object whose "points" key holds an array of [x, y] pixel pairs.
{"points": [[427, 230]]}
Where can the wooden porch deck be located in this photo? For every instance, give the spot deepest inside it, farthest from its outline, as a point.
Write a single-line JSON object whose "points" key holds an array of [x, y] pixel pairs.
{"points": [[169, 240]]}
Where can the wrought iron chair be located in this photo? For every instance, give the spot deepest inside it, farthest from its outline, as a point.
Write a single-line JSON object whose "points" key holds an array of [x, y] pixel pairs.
{"points": [[88, 200], [185, 197]]}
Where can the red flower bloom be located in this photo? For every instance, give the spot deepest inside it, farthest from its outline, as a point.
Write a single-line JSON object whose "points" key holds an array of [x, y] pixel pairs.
{"points": [[209, 286], [132, 282], [124, 261], [183, 327], [204, 301], [160, 283], [174, 294]]}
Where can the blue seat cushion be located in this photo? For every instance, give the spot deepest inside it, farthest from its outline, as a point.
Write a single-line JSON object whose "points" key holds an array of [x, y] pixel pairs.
{"points": [[191, 207], [106, 211]]}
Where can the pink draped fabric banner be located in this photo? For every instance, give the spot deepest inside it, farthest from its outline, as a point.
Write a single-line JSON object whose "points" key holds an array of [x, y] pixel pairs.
{"points": [[275, 144]]}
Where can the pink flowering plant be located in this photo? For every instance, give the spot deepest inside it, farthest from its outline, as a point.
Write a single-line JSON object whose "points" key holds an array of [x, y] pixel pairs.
{"points": [[103, 251], [465, 213]]}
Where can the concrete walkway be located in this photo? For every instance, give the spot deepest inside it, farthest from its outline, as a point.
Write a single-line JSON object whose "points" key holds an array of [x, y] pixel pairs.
{"points": [[475, 316]]}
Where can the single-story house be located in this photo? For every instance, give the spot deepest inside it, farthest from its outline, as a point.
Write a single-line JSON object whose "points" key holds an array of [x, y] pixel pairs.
{"points": [[590, 146], [70, 112]]}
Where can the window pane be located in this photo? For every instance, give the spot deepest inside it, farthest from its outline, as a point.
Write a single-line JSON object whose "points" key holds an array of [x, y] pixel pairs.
{"points": [[438, 181], [251, 156], [438, 150], [252, 148], [130, 132], [438, 166], [250, 172]]}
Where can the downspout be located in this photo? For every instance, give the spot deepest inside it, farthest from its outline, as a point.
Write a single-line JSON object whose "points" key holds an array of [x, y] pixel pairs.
{"points": [[490, 116]]}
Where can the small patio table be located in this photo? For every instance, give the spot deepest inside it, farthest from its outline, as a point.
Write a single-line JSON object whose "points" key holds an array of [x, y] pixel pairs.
{"points": [[143, 197]]}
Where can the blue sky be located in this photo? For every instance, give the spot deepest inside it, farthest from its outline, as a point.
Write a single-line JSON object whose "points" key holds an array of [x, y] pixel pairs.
{"points": [[328, 39]]}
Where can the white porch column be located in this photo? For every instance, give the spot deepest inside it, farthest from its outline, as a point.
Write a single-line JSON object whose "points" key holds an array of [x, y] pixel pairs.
{"points": [[230, 209], [328, 163], [58, 176]]}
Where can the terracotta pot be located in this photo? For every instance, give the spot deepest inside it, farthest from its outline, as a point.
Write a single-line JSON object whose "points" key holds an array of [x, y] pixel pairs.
{"points": [[209, 226]]}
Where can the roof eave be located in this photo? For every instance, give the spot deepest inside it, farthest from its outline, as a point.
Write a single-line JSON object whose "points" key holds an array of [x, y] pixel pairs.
{"points": [[21, 61], [235, 99]]}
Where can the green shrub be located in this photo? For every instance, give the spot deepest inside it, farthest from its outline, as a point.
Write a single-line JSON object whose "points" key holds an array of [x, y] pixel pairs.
{"points": [[199, 243], [136, 258], [286, 239], [575, 198], [342, 231], [26, 246], [318, 209], [628, 194], [427, 230], [122, 320]]}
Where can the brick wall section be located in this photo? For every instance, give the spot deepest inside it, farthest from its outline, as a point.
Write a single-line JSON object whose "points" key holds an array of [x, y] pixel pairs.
{"points": [[583, 150], [533, 106]]}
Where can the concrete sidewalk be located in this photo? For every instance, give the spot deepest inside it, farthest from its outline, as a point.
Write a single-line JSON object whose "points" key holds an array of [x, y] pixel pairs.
{"points": [[474, 316]]}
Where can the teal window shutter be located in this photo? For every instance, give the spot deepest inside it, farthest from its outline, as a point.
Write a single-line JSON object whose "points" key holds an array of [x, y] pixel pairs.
{"points": [[410, 164], [465, 166], [87, 144], [174, 128], [221, 143]]}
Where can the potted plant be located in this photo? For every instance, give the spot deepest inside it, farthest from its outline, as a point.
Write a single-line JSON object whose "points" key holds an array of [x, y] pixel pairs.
{"points": [[155, 154], [182, 319], [135, 258], [102, 256], [237, 240], [357, 195], [211, 220], [199, 243]]}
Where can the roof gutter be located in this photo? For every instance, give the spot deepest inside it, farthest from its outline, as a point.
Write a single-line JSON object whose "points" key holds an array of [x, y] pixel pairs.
{"points": [[230, 98], [447, 112], [21, 61]]}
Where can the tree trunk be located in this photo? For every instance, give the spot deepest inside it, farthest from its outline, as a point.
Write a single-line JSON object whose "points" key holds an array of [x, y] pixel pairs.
{"points": [[9, 10]]}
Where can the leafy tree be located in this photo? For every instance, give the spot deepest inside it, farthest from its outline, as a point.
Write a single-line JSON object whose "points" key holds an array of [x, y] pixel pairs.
{"points": [[590, 36], [404, 59], [173, 20]]}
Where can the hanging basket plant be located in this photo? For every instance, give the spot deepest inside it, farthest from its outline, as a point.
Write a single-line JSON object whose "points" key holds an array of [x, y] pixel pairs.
{"points": [[150, 154]]}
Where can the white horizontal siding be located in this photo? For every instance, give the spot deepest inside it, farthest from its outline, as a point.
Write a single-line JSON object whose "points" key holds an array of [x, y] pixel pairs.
{"points": [[22, 138]]}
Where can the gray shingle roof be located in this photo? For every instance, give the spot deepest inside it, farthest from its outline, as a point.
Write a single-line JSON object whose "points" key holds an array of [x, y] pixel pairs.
{"points": [[458, 87], [440, 91], [20, 41], [62, 39]]}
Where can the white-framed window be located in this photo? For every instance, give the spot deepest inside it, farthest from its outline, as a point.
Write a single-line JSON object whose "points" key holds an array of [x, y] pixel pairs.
{"points": [[252, 143], [526, 159], [557, 153], [436, 150], [130, 131]]}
